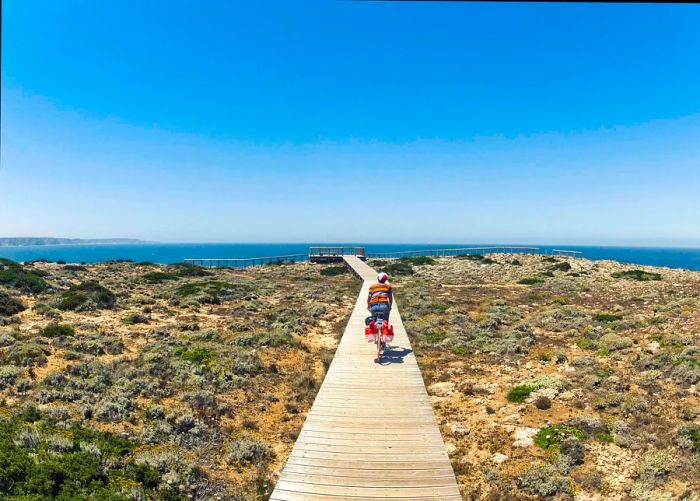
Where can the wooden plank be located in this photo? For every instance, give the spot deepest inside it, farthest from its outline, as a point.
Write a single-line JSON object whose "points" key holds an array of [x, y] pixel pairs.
{"points": [[371, 433]]}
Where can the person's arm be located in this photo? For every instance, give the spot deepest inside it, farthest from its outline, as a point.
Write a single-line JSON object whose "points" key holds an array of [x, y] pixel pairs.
{"points": [[391, 297]]}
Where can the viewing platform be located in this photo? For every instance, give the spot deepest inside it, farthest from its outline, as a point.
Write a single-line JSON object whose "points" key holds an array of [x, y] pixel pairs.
{"points": [[334, 254], [338, 253]]}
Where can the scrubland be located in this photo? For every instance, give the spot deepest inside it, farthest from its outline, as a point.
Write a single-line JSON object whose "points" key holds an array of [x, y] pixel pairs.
{"points": [[559, 378], [137, 381], [551, 377]]}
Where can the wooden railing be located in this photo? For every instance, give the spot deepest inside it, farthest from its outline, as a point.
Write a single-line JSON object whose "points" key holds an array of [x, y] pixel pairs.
{"points": [[336, 251], [454, 251], [246, 261], [563, 252]]}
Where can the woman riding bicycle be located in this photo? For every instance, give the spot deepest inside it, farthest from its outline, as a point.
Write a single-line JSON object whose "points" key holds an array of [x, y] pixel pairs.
{"points": [[381, 297]]}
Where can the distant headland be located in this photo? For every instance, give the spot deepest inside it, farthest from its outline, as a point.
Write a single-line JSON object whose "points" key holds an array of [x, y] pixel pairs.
{"points": [[28, 241]]}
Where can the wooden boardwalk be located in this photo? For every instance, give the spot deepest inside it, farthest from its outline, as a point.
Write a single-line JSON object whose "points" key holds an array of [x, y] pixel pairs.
{"points": [[371, 432]]}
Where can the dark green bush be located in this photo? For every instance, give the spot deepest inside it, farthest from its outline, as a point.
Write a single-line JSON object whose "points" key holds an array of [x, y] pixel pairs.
{"points": [[639, 275], [331, 271], [520, 393], [9, 304], [398, 268], [57, 330], [530, 281], [135, 318], [14, 275], [470, 257], [418, 260], [607, 317], [693, 435], [479, 258], [197, 355], [560, 267], [96, 466], [158, 277], [86, 296], [190, 270], [74, 267]]}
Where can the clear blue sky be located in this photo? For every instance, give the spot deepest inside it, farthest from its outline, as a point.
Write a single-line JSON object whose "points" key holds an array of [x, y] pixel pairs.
{"points": [[285, 121]]}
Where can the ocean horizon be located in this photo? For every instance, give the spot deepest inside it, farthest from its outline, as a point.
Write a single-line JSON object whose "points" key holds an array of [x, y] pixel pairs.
{"points": [[168, 253]]}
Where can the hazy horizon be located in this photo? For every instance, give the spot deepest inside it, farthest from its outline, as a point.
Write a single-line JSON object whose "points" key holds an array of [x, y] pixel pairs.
{"points": [[352, 121]]}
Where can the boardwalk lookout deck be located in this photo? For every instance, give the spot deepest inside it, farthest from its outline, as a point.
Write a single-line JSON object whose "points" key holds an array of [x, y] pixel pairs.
{"points": [[371, 433]]}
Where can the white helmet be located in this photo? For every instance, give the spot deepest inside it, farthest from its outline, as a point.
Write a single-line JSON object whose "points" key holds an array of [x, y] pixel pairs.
{"points": [[382, 277]]}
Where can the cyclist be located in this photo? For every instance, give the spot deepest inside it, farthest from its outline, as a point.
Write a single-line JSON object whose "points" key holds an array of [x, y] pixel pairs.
{"points": [[381, 297]]}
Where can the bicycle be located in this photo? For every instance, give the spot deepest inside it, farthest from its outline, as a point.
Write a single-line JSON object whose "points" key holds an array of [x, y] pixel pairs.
{"points": [[379, 331]]}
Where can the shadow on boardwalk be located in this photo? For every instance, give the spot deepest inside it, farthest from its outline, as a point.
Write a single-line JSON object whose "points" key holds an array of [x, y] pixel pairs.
{"points": [[394, 355]]}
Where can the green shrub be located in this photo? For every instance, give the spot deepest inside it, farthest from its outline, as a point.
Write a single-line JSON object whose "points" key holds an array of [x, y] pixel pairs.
{"points": [[552, 436], [613, 342], [86, 296], [331, 271], [213, 291], [640, 275], [10, 305], [604, 437], [74, 463], [74, 267], [418, 260], [520, 393], [560, 267], [27, 355], [476, 257], [607, 317], [198, 355], [544, 480], [57, 330], [275, 339], [135, 318], [550, 260], [158, 277], [530, 281], [398, 268], [190, 270], [470, 257], [692, 436], [247, 450], [15, 275]]}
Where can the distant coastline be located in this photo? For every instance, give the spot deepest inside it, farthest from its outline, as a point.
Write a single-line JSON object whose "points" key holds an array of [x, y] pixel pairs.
{"points": [[38, 241]]}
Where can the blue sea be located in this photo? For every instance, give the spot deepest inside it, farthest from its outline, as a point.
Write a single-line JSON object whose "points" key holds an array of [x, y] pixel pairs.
{"points": [[171, 253]]}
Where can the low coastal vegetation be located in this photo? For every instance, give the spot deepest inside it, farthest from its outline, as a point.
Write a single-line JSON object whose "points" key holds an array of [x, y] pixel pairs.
{"points": [[560, 378], [135, 381]]}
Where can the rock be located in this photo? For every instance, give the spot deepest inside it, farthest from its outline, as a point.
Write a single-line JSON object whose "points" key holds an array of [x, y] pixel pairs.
{"points": [[443, 389], [450, 448], [524, 437], [512, 419], [459, 430], [488, 388], [498, 458], [567, 395], [652, 347], [549, 393]]}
